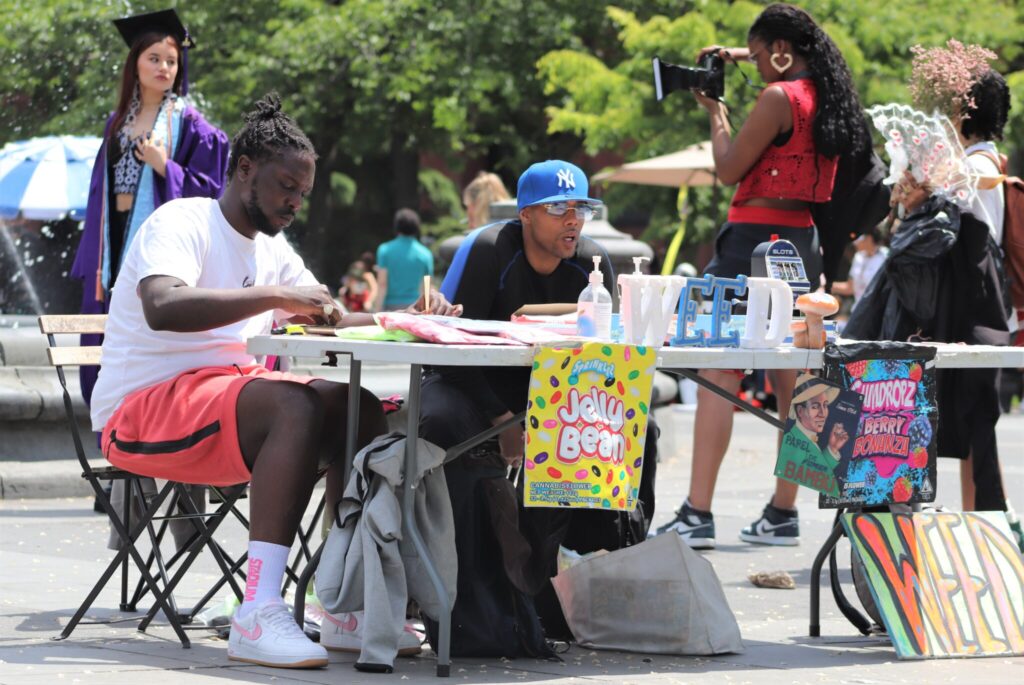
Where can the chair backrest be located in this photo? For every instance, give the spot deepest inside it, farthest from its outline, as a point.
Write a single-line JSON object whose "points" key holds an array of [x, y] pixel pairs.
{"points": [[61, 356], [76, 324]]}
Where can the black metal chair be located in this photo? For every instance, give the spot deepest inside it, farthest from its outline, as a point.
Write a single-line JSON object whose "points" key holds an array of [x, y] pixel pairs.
{"points": [[180, 506]]}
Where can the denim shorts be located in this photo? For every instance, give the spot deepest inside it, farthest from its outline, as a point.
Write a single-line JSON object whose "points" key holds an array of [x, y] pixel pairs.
{"points": [[736, 241]]}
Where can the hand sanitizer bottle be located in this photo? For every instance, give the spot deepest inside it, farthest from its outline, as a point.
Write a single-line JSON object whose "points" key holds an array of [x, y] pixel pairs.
{"points": [[594, 308]]}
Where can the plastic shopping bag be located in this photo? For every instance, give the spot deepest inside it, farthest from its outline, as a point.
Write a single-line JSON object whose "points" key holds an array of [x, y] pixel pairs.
{"points": [[658, 597]]}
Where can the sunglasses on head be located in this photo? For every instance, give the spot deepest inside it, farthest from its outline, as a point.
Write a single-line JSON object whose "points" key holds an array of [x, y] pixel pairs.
{"points": [[584, 212]]}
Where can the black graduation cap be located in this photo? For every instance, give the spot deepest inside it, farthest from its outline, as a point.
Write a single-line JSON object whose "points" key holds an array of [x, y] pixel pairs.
{"points": [[164, 20]]}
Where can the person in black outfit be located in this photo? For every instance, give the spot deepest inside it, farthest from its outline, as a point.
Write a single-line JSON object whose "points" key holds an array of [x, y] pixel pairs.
{"points": [[538, 258]]}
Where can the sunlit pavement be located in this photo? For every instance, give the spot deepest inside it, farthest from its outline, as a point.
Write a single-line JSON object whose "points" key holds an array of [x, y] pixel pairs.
{"points": [[51, 551]]}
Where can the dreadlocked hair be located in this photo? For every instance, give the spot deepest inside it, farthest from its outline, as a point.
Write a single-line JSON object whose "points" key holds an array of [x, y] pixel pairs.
{"points": [[838, 124], [267, 131]]}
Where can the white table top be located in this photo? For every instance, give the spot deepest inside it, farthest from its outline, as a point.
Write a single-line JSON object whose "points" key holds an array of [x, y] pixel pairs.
{"points": [[947, 355]]}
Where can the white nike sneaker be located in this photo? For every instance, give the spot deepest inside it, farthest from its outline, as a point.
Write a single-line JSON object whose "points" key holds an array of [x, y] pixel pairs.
{"points": [[269, 636], [344, 633]]}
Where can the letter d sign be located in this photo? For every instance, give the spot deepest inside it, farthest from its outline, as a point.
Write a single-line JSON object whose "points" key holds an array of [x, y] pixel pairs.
{"points": [[762, 332]]}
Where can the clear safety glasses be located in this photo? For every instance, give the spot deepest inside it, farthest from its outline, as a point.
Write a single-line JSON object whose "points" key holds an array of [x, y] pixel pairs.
{"points": [[584, 212]]}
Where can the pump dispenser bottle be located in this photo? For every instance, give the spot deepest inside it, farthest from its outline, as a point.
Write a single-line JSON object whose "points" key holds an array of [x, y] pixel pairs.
{"points": [[594, 308], [630, 299]]}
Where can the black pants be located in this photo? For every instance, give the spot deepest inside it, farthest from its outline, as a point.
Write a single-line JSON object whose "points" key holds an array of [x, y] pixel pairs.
{"points": [[449, 417], [736, 241], [968, 412]]}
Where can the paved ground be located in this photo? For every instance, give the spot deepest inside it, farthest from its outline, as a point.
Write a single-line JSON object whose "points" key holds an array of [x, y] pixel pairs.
{"points": [[51, 550]]}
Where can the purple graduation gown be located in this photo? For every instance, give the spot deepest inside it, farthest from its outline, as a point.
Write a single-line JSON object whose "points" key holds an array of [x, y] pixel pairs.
{"points": [[198, 168]]}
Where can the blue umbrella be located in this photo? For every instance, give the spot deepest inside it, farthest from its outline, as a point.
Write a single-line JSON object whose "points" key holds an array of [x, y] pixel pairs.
{"points": [[46, 178]]}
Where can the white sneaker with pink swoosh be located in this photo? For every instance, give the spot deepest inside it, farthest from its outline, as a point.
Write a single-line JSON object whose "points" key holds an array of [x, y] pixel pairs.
{"points": [[344, 633], [269, 636]]}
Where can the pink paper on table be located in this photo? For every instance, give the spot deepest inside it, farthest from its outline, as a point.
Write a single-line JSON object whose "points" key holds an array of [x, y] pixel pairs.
{"points": [[432, 331]]}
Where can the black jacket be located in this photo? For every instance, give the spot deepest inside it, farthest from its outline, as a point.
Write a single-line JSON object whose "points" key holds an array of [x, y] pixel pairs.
{"points": [[943, 281]]}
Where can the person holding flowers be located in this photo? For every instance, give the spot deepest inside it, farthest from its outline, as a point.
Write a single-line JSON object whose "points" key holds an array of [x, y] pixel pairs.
{"points": [[957, 81]]}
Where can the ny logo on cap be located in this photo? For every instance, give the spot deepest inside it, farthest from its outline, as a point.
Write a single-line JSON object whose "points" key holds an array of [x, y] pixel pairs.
{"points": [[565, 179]]}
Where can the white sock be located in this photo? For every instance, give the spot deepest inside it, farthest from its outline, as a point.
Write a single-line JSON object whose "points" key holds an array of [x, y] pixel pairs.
{"points": [[267, 562]]}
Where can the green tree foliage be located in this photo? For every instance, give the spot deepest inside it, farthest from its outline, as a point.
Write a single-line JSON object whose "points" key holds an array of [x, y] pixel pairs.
{"points": [[613, 106], [375, 83], [381, 84]]}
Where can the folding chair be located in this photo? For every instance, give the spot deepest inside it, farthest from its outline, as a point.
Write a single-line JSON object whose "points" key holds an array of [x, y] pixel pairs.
{"points": [[61, 356]]}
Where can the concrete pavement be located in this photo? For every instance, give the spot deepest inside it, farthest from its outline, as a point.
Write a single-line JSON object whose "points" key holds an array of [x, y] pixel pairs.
{"points": [[52, 549]]}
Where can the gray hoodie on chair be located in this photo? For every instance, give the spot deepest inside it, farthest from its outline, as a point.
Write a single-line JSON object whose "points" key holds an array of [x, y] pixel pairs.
{"points": [[369, 563]]}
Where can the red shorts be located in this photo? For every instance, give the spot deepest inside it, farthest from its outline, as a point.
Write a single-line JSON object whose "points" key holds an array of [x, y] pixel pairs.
{"points": [[185, 429]]}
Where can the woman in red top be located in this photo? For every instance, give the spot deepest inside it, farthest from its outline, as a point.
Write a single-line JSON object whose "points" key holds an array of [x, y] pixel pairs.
{"points": [[783, 158]]}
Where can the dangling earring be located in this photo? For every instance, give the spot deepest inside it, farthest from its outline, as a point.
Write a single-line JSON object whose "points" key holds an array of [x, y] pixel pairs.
{"points": [[781, 68]]}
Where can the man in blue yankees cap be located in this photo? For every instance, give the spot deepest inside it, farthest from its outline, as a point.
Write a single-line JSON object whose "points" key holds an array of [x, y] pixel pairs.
{"points": [[540, 257]]}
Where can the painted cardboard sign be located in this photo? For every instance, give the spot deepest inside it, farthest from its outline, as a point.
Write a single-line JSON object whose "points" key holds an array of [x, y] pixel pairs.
{"points": [[893, 450], [946, 584], [587, 425], [822, 417]]}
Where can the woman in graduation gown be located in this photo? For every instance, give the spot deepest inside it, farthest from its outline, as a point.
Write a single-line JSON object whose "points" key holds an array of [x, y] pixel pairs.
{"points": [[156, 148]]}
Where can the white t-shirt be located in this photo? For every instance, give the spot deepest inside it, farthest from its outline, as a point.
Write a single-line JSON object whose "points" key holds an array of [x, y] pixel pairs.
{"points": [[191, 240], [990, 205], [864, 268]]}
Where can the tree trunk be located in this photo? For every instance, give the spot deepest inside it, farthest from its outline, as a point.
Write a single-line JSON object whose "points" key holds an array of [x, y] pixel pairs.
{"points": [[316, 236], [405, 169]]}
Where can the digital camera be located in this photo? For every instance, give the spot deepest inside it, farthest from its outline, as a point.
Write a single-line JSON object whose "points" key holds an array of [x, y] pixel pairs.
{"points": [[708, 77]]}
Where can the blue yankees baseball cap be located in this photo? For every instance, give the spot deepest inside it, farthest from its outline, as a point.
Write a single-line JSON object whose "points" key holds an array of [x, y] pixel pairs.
{"points": [[553, 181]]}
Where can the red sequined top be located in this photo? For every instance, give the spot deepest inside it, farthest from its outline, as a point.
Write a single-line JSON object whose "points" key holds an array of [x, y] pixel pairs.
{"points": [[793, 170]]}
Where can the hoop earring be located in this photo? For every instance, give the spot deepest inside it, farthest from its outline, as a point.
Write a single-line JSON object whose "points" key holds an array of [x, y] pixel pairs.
{"points": [[782, 68]]}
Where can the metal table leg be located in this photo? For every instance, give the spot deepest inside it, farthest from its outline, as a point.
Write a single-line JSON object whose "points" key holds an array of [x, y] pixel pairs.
{"points": [[837, 530], [355, 378], [741, 403], [355, 369], [444, 621], [819, 561]]}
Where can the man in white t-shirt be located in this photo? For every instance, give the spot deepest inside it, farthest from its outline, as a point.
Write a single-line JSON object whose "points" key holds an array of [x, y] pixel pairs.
{"points": [[179, 398]]}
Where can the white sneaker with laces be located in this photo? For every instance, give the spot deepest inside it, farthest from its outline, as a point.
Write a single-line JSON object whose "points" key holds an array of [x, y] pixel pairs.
{"points": [[696, 528], [269, 636], [774, 527], [344, 633]]}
